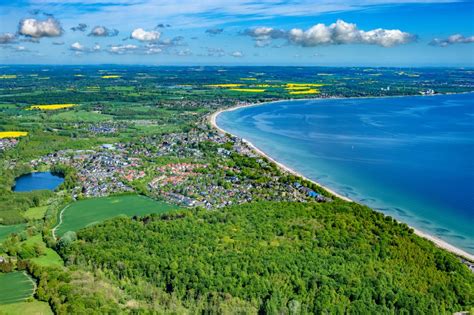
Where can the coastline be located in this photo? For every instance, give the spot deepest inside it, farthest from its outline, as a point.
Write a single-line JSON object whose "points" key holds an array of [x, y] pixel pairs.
{"points": [[437, 241]]}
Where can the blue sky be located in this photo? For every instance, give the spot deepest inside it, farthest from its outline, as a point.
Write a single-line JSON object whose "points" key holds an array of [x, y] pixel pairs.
{"points": [[238, 32]]}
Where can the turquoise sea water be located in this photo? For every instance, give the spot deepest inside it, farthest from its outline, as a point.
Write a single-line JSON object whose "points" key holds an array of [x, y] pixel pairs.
{"points": [[409, 157], [37, 181]]}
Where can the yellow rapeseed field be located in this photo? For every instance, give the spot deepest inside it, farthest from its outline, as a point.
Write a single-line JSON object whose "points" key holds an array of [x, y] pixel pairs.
{"points": [[295, 85], [310, 91], [12, 134], [248, 79], [114, 76], [296, 88], [8, 76], [248, 90], [224, 85], [51, 106]]}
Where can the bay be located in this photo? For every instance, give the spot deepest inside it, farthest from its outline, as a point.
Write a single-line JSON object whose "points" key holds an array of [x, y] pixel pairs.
{"points": [[410, 157]]}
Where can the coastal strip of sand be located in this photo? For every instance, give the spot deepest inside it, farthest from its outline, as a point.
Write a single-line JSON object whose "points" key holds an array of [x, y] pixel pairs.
{"points": [[438, 242]]}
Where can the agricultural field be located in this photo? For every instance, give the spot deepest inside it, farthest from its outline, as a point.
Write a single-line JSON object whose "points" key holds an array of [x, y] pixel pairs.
{"points": [[30, 308], [47, 257], [15, 287], [35, 213], [87, 212], [12, 134], [51, 106]]}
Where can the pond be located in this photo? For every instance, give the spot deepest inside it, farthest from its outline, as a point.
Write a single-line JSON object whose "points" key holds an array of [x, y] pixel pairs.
{"points": [[37, 181]]}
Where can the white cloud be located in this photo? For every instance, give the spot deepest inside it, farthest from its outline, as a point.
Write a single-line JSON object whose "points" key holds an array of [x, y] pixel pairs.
{"points": [[237, 54], [102, 31], [40, 28], [77, 47], [334, 34], [264, 35], [145, 36], [152, 49], [21, 49], [7, 38], [122, 49], [453, 39], [347, 33]]}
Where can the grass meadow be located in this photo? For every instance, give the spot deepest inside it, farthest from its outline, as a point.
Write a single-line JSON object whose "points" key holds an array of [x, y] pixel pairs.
{"points": [[86, 212]]}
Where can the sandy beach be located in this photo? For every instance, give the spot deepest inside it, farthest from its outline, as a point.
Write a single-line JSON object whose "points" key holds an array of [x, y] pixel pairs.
{"points": [[438, 242]]}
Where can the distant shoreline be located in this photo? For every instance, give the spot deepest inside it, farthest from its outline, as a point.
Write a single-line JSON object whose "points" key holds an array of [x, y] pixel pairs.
{"points": [[213, 121]]}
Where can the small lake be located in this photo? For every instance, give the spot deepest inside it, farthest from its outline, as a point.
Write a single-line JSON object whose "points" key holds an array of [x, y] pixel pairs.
{"points": [[37, 181]]}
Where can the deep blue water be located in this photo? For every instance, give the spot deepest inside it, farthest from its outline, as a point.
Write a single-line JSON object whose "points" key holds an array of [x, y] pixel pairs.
{"points": [[409, 157], [37, 181]]}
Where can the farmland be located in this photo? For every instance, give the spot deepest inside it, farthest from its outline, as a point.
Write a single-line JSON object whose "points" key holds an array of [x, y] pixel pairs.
{"points": [[52, 106], [21, 308], [12, 134], [91, 211], [15, 287]]}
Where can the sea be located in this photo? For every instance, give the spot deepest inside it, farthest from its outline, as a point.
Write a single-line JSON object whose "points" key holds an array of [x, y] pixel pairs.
{"points": [[409, 157]]}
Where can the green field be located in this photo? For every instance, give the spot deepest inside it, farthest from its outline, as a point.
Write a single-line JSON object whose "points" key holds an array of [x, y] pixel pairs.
{"points": [[6, 230], [48, 257], [30, 308], [36, 213], [15, 287], [84, 213]]}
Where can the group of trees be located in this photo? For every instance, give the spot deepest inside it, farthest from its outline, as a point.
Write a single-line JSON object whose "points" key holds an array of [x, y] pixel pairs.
{"points": [[274, 258]]}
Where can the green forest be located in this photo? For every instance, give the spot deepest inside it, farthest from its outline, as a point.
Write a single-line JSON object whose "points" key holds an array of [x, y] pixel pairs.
{"points": [[272, 258]]}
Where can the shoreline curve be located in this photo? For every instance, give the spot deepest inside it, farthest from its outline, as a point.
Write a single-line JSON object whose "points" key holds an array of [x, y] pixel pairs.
{"points": [[212, 119]]}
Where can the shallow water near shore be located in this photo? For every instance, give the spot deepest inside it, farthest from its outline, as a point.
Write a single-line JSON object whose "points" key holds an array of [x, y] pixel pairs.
{"points": [[409, 157]]}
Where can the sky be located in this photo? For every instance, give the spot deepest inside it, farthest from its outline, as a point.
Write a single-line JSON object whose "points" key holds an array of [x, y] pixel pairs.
{"points": [[408, 33]]}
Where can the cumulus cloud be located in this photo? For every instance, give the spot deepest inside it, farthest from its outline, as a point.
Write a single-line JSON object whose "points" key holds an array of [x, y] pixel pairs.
{"points": [[264, 35], [214, 31], [81, 27], [152, 49], [40, 28], [145, 36], [7, 38], [237, 54], [122, 49], [79, 48], [451, 40], [102, 31], [338, 33], [58, 43]]}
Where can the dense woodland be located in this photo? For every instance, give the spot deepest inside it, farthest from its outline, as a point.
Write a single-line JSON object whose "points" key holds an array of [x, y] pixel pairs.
{"points": [[285, 258]]}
